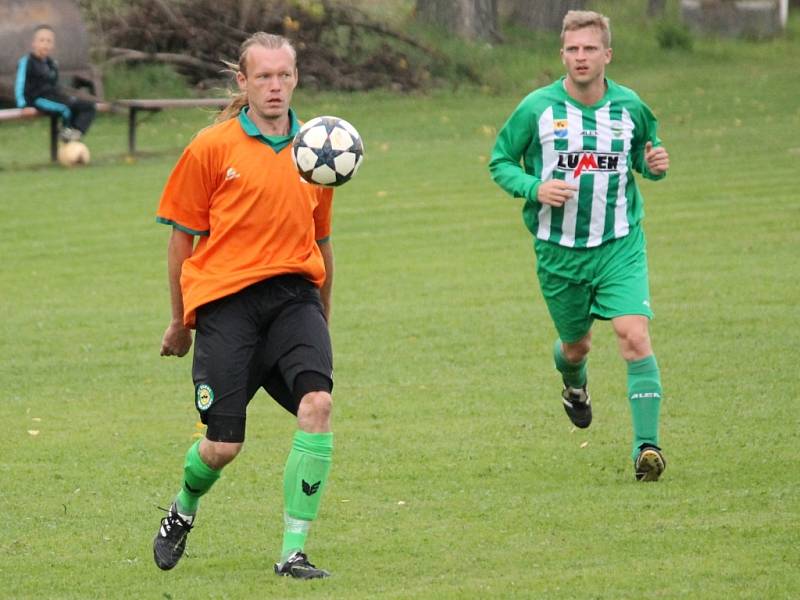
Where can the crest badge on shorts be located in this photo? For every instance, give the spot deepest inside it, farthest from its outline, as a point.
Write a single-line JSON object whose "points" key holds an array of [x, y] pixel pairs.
{"points": [[203, 397]]}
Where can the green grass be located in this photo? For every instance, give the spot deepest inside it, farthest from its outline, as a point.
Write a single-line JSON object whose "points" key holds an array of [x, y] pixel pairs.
{"points": [[456, 473], [140, 81]]}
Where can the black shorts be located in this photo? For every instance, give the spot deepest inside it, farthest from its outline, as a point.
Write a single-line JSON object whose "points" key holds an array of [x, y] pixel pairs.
{"points": [[262, 336]]}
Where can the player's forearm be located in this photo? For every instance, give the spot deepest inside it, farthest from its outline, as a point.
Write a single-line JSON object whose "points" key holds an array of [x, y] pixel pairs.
{"points": [[513, 142], [505, 167], [326, 291], [179, 249], [512, 178]]}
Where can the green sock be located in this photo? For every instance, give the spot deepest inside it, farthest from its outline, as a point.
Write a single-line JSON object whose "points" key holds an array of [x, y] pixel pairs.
{"points": [[644, 395], [198, 478], [574, 374], [295, 532], [304, 481]]}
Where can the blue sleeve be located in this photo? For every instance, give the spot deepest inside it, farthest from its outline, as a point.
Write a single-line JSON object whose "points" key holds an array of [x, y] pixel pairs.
{"points": [[19, 85]]}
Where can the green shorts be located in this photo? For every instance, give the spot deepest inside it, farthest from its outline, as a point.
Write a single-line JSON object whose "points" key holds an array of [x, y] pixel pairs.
{"points": [[583, 284]]}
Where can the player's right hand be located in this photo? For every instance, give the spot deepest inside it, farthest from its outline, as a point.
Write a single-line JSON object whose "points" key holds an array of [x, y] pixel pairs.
{"points": [[555, 192], [176, 341]]}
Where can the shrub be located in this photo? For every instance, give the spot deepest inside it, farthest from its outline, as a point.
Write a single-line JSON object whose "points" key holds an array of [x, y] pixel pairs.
{"points": [[673, 35]]}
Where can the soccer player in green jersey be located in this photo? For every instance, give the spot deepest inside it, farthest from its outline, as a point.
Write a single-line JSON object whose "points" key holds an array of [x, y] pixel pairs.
{"points": [[569, 150]]}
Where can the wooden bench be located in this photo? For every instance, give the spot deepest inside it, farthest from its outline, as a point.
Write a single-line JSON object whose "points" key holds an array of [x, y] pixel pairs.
{"points": [[15, 114], [29, 112], [132, 106], [12, 114]]}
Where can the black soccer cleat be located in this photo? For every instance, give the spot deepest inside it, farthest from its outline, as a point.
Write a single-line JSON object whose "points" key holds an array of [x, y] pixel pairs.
{"points": [[170, 541], [297, 566], [578, 405], [650, 463]]}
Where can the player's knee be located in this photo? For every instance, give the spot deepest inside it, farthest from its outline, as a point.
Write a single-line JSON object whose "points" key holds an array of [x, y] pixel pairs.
{"points": [[635, 343], [312, 392], [314, 412], [575, 352], [218, 454], [316, 407]]}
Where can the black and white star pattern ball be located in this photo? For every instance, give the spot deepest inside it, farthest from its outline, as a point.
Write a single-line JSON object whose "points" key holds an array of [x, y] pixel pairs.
{"points": [[327, 151]]}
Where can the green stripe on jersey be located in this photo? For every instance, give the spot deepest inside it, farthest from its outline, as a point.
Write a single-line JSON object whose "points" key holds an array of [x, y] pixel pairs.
{"points": [[587, 182]]}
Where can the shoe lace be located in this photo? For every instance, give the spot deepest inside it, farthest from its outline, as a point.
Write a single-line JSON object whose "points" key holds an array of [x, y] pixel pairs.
{"points": [[645, 446], [575, 396], [172, 519], [299, 558]]}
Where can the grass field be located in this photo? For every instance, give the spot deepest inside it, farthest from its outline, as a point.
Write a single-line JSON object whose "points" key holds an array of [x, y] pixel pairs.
{"points": [[456, 472]]}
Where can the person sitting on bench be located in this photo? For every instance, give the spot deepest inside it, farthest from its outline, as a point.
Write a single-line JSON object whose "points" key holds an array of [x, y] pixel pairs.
{"points": [[37, 85]]}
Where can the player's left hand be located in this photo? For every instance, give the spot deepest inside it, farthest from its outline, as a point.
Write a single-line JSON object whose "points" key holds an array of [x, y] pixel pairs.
{"points": [[657, 158], [177, 340]]}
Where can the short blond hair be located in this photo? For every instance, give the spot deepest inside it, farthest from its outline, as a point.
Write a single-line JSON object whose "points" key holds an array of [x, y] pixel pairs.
{"points": [[580, 19]]}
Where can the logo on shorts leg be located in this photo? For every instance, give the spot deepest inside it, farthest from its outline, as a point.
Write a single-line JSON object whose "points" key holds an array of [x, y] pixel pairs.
{"points": [[204, 397]]}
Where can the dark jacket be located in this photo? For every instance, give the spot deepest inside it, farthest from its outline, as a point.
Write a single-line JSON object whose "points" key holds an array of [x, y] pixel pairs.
{"points": [[36, 78]]}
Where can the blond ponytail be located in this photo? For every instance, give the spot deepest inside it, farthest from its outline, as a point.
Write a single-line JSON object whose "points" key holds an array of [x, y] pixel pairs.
{"points": [[237, 103]]}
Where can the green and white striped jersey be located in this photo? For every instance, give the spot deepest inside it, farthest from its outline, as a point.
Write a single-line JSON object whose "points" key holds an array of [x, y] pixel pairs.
{"points": [[593, 147]]}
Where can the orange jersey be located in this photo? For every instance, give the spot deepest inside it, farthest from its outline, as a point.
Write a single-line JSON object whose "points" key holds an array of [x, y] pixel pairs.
{"points": [[256, 217]]}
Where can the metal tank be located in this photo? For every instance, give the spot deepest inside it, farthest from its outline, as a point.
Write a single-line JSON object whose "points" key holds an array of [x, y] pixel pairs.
{"points": [[18, 19]]}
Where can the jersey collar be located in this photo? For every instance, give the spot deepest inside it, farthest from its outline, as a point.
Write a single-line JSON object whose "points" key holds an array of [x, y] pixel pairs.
{"points": [[602, 102], [276, 142]]}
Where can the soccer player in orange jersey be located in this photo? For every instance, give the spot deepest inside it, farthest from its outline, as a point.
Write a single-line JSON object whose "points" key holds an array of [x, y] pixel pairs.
{"points": [[256, 287]]}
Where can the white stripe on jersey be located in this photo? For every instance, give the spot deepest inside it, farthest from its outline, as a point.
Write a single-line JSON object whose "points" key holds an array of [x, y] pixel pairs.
{"points": [[599, 200], [574, 144], [547, 139], [621, 227]]}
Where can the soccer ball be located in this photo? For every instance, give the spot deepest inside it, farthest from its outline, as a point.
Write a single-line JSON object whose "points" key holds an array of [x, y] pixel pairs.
{"points": [[327, 151], [73, 153]]}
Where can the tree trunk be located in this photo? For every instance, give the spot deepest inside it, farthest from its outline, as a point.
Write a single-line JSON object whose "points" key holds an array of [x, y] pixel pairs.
{"points": [[539, 15], [655, 8], [469, 19]]}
